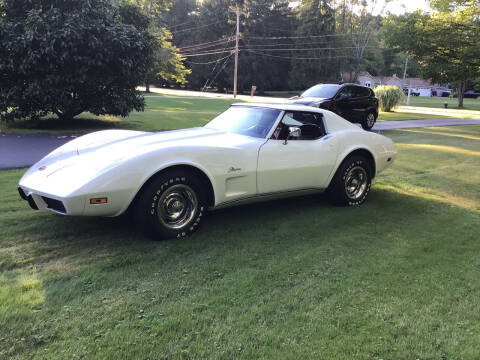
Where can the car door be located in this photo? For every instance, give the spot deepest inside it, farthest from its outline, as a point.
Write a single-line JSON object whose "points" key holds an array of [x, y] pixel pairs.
{"points": [[343, 104], [359, 102], [296, 164]]}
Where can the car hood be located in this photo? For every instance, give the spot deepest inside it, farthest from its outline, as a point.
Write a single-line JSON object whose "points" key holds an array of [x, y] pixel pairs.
{"points": [[113, 144], [309, 101], [88, 156]]}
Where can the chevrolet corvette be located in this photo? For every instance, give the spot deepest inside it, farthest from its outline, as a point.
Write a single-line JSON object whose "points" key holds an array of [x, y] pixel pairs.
{"points": [[169, 180]]}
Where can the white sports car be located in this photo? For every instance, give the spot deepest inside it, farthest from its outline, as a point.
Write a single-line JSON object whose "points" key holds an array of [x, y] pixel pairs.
{"points": [[169, 179]]}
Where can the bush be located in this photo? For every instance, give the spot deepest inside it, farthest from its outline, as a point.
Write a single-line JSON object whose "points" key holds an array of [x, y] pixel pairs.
{"points": [[388, 96], [69, 56]]}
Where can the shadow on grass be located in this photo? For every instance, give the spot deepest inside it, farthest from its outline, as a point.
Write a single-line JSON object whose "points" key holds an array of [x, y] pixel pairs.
{"points": [[86, 258], [281, 223], [76, 125]]}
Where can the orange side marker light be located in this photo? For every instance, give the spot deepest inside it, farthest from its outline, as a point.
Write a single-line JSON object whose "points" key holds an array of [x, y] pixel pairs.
{"points": [[97, 201]]}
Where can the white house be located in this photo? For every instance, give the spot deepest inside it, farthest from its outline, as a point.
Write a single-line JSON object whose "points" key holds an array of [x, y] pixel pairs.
{"points": [[422, 86]]}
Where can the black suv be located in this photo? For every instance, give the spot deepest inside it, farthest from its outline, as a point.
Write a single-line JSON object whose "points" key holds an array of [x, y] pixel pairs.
{"points": [[353, 102]]}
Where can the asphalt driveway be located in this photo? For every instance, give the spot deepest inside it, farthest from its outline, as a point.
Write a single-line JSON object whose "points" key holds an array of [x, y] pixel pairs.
{"points": [[23, 150]]}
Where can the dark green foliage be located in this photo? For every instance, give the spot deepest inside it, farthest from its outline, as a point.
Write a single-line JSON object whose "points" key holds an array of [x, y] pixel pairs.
{"points": [[68, 56], [282, 47], [445, 44], [315, 17]]}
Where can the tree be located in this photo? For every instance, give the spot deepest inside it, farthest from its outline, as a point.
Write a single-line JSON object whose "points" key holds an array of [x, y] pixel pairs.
{"points": [[445, 44], [257, 66], [315, 17], [448, 5], [168, 64], [69, 56]]}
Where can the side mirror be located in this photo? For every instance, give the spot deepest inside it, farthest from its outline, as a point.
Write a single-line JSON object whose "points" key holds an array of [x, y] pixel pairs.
{"points": [[294, 97], [293, 132]]}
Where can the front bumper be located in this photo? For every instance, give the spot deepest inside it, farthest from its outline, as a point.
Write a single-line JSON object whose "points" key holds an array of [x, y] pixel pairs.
{"points": [[42, 201]]}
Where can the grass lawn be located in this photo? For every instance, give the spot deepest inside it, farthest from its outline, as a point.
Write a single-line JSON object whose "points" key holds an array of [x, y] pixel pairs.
{"points": [[436, 102], [397, 278], [161, 113], [394, 116]]}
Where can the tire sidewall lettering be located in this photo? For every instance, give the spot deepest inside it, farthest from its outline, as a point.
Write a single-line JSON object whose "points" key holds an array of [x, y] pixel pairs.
{"points": [[157, 195], [344, 176]]}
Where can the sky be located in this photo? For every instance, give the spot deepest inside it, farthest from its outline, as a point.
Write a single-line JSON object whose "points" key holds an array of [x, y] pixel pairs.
{"points": [[402, 6], [394, 6]]}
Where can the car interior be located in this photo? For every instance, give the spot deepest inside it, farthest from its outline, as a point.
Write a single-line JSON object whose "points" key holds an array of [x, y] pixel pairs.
{"points": [[310, 124]]}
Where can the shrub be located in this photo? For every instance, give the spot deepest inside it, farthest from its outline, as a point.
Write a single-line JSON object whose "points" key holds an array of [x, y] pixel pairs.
{"points": [[388, 96], [69, 56]]}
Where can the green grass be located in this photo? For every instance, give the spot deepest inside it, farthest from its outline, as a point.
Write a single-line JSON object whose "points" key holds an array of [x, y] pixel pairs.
{"points": [[394, 116], [397, 278], [161, 113], [436, 102]]}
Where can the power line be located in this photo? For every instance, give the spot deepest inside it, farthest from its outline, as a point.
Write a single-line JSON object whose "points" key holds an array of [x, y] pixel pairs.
{"points": [[207, 53], [304, 49], [301, 37], [213, 51], [196, 27], [298, 58], [217, 42], [289, 44], [206, 48], [219, 71], [209, 62], [183, 23]]}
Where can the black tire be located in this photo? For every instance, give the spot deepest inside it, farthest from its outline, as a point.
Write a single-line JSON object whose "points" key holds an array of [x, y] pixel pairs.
{"points": [[346, 187], [163, 197], [369, 120]]}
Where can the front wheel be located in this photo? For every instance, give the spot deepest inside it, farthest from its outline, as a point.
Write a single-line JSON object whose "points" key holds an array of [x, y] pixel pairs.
{"points": [[351, 183], [171, 205], [369, 121]]}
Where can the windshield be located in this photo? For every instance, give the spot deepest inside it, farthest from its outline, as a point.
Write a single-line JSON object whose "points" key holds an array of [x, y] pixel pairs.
{"points": [[321, 91], [255, 122]]}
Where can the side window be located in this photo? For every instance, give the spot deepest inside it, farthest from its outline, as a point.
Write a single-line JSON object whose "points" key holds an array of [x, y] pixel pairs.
{"points": [[365, 91], [310, 124], [359, 92], [345, 93]]}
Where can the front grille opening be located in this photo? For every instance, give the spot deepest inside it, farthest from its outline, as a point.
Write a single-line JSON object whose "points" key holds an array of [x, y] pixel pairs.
{"points": [[22, 193], [31, 202], [53, 204]]}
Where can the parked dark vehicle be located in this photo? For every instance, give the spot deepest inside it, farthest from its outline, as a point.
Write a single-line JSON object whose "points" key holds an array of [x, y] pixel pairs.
{"points": [[412, 92], [471, 94], [353, 102]]}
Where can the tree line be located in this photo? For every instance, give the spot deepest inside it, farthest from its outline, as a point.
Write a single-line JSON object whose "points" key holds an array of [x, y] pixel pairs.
{"points": [[69, 56], [282, 47]]}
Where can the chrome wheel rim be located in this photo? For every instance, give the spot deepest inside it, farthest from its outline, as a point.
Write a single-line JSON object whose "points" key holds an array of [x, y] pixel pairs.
{"points": [[370, 120], [356, 182], [177, 206]]}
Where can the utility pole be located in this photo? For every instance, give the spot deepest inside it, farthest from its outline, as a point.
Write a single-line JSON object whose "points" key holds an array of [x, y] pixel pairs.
{"points": [[235, 74], [404, 76], [237, 38], [405, 70]]}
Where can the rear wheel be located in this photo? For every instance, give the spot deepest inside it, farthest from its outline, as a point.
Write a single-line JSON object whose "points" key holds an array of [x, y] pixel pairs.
{"points": [[369, 121], [171, 205], [351, 183]]}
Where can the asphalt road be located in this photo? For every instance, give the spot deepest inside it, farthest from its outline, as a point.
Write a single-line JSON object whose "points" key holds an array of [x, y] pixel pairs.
{"points": [[23, 150]]}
